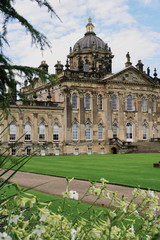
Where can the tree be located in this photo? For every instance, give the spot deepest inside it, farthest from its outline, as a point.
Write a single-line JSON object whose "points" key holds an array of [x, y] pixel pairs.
{"points": [[9, 71]]}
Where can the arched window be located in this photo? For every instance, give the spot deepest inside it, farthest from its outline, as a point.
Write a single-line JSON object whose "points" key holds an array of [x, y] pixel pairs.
{"points": [[88, 131], [74, 101], [75, 131], [114, 130], [42, 131], [87, 101], [129, 132], [144, 131], [100, 132], [114, 102], [99, 102], [27, 132], [12, 131], [153, 109], [129, 103], [144, 105], [55, 132]]}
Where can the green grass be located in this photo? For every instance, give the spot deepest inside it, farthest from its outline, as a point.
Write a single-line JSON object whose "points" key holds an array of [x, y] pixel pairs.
{"points": [[66, 207], [126, 169]]}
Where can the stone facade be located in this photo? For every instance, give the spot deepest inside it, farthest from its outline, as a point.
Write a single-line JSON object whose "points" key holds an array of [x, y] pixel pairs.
{"points": [[90, 110]]}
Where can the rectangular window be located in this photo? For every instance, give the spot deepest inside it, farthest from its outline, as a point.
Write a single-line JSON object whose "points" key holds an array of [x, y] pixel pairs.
{"points": [[27, 137], [41, 137], [55, 137], [13, 152], [12, 137], [28, 152]]}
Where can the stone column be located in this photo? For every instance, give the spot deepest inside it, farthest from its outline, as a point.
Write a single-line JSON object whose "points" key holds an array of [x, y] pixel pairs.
{"points": [[95, 107], [35, 129], [82, 116], [50, 128], [68, 115], [140, 116], [109, 116], [150, 119], [121, 127]]}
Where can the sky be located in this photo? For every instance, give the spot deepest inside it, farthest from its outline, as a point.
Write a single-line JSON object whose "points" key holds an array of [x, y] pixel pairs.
{"points": [[125, 25]]}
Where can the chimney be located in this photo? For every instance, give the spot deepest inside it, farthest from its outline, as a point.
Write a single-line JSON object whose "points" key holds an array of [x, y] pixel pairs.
{"points": [[44, 66], [59, 67]]}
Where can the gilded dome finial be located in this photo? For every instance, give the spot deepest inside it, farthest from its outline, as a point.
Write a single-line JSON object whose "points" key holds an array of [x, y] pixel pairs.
{"points": [[89, 20], [89, 26]]}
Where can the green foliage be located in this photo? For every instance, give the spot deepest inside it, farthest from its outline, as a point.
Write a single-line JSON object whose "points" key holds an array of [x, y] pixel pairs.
{"points": [[27, 218], [123, 169], [9, 71]]}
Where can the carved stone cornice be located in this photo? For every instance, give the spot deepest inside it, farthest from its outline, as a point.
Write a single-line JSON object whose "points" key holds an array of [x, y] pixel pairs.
{"points": [[81, 93], [94, 93]]}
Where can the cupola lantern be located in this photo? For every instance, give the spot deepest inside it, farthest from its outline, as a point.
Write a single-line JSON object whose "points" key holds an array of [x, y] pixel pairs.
{"points": [[90, 26]]}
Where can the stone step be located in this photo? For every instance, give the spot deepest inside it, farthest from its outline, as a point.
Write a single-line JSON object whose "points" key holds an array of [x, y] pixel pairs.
{"points": [[147, 147]]}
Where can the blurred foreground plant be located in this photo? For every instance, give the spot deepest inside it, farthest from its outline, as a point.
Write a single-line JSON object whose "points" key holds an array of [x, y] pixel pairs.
{"points": [[124, 220]]}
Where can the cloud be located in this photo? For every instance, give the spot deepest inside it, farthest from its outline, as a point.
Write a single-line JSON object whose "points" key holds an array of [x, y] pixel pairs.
{"points": [[114, 21]]}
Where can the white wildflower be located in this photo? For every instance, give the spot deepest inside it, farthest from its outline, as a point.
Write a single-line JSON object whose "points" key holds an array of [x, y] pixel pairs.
{"points": [[132, 229], [4, 236], [150, 194], [124, 210], [73, 195], [73, 233], [112, 214], [114, 232], [44, 212], [13, 219], [148, 237], [32, 201], [39, 230]]}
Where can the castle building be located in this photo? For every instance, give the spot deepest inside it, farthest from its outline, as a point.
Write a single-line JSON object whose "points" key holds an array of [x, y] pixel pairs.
{"points": [[90, 110]]}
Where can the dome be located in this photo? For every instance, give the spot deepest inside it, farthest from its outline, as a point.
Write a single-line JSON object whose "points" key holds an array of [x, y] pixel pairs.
{"points": [[90, 40]]}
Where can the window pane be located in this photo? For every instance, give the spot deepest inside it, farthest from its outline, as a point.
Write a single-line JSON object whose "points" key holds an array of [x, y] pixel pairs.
{"points": [[114, 130], [75, 131], [56, 132], [13, 152], [41, 132], [88, 132], [87, 102], [144, 105], [144, 131], [129, 103], [114, 102], [99, 102], [27, 131], [129, 130], [100, 132], [74, 101], [12, 131]]}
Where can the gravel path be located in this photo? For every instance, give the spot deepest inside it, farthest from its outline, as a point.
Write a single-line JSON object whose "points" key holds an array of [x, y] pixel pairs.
{"points": [[57, 185]]}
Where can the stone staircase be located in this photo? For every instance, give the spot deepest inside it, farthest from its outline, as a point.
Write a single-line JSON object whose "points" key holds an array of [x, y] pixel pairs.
{"points": [[147, 147], [152, 146]]}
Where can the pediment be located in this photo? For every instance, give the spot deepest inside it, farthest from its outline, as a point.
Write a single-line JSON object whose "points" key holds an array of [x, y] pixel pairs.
{"points": [[130, 75]]}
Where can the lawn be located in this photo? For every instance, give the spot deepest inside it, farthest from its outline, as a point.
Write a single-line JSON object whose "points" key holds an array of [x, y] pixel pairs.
{"points": [[125, 169], [70, 208]]}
